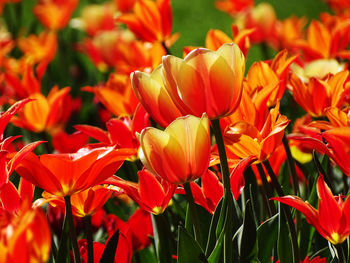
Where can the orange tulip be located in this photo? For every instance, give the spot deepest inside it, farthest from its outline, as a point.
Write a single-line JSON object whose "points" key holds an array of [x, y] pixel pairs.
{"points": [[116, 95], [54, 14], [326, 41], [85, 203], [67, 174], [289, 30], [181, 152], [331, 219], [38, 48], [261, 75], [25, 236], [244, 139], [46, 114], [329, 92], [151, 92], [206, 81], [337, 118], [150, 21]]}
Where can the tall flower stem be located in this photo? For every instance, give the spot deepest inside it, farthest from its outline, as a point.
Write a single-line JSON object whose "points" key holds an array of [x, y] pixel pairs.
{"points": [[286, 210], [227, 190], [291, 165], [72, 233], [194, 215], [267, 191], [88, 231]]}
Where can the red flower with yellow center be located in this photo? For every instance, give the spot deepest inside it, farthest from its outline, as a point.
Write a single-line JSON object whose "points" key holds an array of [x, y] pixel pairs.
{"points": [[331, 219], [67, 174]]}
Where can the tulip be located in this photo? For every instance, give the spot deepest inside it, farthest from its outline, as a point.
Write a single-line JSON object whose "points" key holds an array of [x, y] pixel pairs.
{"points": [[329, 92], [46, 113], [38, 48], [262, 76], [151, 92], [181, 152], [150, 21], [54, 14], [152, 193], [67, 174], [25, 236], [85, 203], [325, 40], [206, 81], [331, 219], [245, 140]]}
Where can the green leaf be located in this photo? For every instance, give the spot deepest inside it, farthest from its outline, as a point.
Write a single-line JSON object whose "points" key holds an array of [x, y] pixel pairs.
{"points": [[284, 245], [213, 228], [188, 250], [215, 255], [108, 254], [64, 245], [306, 235], [247, 242], [188, 221], [161, 239], [267, 236]]}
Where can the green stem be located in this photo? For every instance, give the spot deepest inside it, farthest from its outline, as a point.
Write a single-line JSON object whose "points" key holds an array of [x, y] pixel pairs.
{"points": [[89, 239], [291, 165], [266, 191], [227, 190], [320, 169], [193, 211], [286, 210], [72, 233]]}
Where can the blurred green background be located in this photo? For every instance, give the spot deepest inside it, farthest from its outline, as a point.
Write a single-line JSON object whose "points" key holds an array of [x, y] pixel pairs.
{"points": [[193, 19]]}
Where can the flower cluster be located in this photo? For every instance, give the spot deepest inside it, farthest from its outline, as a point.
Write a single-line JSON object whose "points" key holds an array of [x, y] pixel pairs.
{"points": [[117, 147]]}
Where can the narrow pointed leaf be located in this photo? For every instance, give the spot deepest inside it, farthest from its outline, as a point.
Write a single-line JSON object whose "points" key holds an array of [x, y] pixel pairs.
{"points": [[284, 245], [265, 245], [110, 249], [248, 242], [189, 250]]}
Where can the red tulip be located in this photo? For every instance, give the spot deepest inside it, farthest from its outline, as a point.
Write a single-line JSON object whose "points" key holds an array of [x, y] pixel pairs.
{"points": [[331, 220]]}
